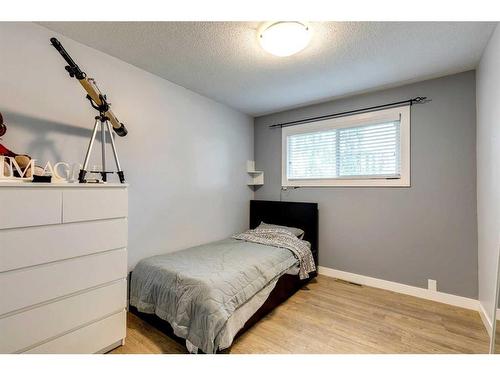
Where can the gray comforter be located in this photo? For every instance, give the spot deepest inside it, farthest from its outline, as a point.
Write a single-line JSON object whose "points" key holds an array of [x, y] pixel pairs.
{"points": [[196, 290]]}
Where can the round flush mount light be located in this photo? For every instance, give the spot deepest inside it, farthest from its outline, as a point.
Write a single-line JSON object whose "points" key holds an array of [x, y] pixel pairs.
{"points": [[285, 38]]}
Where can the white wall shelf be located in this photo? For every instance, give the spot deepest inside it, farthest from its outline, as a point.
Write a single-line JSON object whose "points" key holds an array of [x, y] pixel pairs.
{"points": [[256, 177]]}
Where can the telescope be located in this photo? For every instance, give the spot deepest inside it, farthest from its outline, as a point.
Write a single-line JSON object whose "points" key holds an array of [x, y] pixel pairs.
{"points": [[99, 102]]}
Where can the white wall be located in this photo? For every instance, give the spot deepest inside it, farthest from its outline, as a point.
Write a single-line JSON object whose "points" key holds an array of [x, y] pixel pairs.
{"points": [[184, 156], [488, 170]]}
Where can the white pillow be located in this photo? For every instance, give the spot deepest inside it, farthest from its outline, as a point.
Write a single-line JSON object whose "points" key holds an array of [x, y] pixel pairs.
{"points": [[295, 231]]}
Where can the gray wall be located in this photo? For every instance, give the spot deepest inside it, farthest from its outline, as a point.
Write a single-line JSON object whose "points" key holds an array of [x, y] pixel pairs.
{"points": [[406, 235], [488, 171], [185, 155]]}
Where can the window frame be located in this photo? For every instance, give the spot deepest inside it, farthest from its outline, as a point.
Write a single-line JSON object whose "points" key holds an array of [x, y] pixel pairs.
{"points": [[345, 122]]}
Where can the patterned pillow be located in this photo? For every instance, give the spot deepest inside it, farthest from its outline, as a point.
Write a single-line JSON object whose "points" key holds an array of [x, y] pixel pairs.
{"points": [[295, 231]]}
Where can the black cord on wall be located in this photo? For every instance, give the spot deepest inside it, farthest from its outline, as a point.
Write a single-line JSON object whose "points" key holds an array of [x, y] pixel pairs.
{"points": [[287, 189]]}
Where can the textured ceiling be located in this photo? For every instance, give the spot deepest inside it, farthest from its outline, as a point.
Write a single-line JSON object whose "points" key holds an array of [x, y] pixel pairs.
{"points": [[223, 60]]}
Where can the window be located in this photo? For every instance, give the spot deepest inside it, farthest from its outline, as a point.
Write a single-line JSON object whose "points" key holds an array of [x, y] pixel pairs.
{"points": [[369, 149]]}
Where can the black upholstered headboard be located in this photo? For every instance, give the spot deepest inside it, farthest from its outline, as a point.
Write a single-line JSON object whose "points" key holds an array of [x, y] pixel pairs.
{"points": [[292, 214]]}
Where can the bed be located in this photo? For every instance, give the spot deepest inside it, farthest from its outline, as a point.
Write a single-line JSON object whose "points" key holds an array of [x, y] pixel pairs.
{"points": [[206, 296]]}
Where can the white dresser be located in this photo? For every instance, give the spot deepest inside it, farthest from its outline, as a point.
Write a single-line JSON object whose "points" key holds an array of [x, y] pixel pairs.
{"points": [[63, 267]]}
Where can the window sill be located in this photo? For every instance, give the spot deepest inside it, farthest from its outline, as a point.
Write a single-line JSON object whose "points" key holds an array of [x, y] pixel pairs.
{"points": [[397, 182]]}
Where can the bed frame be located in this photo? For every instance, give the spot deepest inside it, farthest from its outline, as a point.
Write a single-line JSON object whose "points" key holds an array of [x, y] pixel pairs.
{"points": [[292, 214]]}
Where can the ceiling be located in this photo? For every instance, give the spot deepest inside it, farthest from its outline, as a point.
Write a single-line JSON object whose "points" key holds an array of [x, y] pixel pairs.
{"points": [[223, 60]]}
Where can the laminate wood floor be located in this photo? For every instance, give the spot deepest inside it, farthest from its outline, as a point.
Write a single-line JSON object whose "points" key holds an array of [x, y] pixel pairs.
{"points": [[332, 316], [497, 338]]}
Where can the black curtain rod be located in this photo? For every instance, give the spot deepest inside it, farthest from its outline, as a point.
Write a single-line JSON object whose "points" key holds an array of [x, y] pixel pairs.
{"points": [[416, 100]]}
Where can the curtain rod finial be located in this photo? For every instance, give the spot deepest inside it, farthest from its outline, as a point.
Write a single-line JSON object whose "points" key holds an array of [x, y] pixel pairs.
{"points": [[420, 99]]}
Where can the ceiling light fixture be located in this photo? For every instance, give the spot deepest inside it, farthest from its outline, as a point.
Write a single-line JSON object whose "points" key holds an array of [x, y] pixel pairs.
{"points": [[285, 38]]}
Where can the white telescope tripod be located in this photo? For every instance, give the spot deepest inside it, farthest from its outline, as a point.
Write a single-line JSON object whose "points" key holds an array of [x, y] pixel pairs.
{"points": [[101, 122]]}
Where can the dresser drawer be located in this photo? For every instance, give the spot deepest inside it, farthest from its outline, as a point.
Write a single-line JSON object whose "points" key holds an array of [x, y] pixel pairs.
{"points": [[29, 286], [93, 204], [27, 207], [25, 330], [23, 247], [89, 339]]}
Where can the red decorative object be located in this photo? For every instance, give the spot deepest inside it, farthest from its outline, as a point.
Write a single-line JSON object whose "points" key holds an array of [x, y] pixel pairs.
{"points": [[4, 151], [21, 160]]}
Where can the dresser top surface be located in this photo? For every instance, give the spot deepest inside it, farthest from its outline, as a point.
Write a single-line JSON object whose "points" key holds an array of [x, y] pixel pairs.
{"points": [[60, 185]]}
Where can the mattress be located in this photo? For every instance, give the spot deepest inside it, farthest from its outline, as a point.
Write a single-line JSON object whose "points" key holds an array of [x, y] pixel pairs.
{"points": [[241, 315]]}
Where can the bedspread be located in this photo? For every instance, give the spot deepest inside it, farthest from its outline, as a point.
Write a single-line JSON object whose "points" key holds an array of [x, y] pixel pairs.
{"points": [[196, 290]]}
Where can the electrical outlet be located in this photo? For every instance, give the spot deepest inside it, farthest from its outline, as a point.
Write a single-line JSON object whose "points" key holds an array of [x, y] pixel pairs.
{"points": [[432, 284]]}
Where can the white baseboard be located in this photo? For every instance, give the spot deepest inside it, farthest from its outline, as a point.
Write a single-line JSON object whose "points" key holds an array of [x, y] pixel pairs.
{"points": [[450, 299], [486, 320]]}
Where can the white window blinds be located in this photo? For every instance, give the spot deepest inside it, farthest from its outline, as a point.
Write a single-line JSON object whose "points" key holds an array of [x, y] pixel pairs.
{"points": [[363, 151]]}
